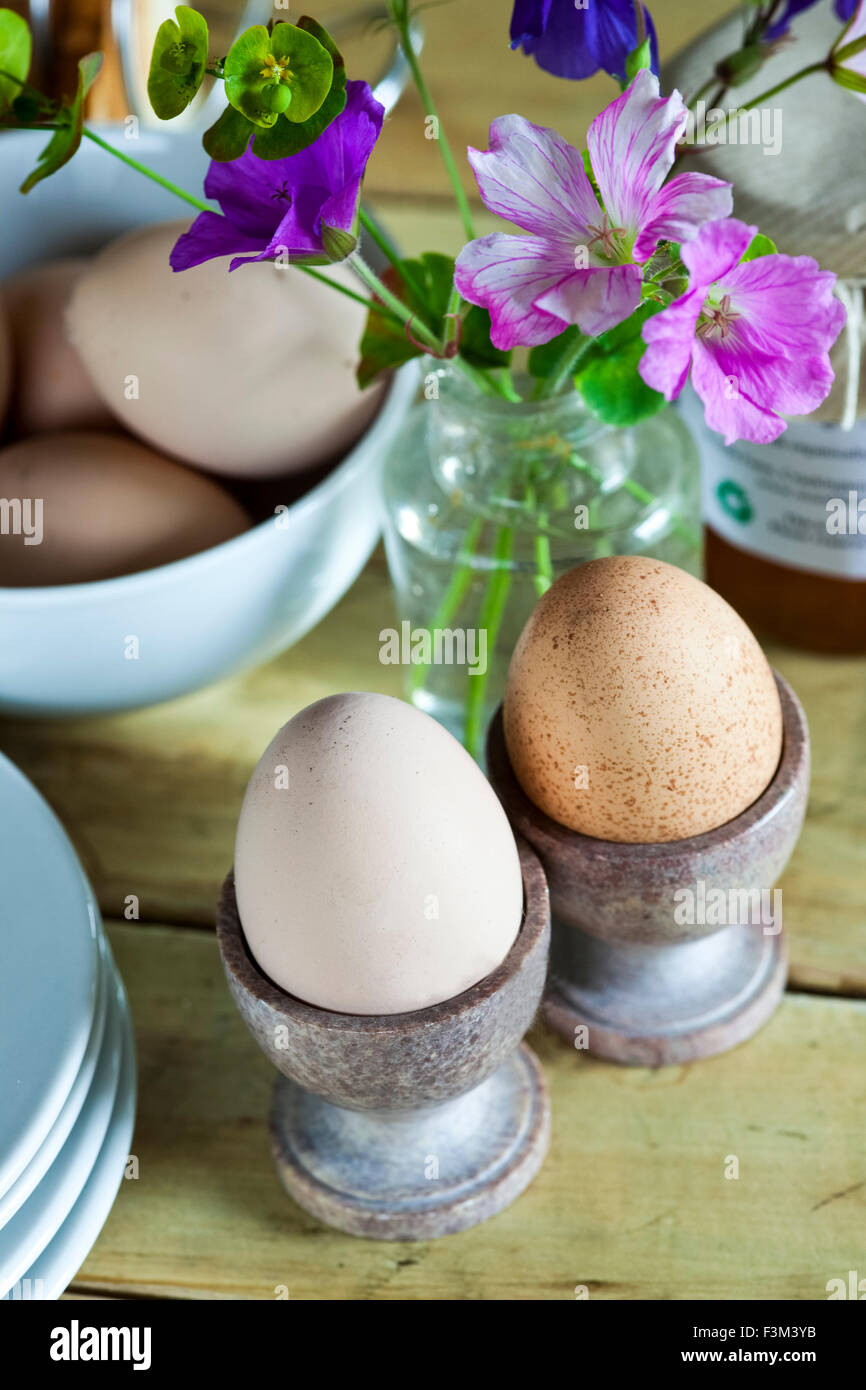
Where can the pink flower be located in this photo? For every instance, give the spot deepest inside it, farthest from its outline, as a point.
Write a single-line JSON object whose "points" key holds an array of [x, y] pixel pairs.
{"points": [[755, 334], [580, 263]]}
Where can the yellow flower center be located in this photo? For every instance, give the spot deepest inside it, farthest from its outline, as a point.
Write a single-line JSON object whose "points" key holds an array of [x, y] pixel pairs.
{"points": [[276, 70]]}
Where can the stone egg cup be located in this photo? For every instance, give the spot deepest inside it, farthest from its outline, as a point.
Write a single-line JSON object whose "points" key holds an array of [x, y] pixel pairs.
{"points": [[405, 1126], [647, 989]]}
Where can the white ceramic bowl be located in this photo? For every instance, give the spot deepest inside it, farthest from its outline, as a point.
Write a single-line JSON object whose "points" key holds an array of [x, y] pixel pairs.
{"points": [[64, 649]]}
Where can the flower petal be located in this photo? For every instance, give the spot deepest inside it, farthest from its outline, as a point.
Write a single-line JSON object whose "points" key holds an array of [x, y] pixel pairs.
{"points": [[716, 249], [680, 208], [727, 408], [669, 337], [632, 144], [533, 177], [210, 236], [787, 305], [246, 190], [574, 41], [787, 385], [596, 299], [505, 275]]}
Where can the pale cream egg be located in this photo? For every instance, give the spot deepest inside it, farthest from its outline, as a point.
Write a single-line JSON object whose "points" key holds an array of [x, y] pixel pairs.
{"points": [[248, 373], [375, 870]]}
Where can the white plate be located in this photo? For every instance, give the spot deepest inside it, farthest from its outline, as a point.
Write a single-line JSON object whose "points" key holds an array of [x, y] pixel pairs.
{"points": [[39, 1218], [49, 967], [60, 1261], [45, 1155]]}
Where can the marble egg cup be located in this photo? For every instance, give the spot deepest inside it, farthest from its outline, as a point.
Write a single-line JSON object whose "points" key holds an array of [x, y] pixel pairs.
{"points": [[405, 1126], [641, 988]]}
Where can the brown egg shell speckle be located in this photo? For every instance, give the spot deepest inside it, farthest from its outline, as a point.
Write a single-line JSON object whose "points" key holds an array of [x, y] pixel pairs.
{"points": [[643, 676]]}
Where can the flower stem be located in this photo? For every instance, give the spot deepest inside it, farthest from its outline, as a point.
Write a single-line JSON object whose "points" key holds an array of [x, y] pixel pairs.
{"points": [[390, 252], [779, 87], [453, 597], [148, 173], [350, 294], [490, 621], [564, 368], [402, 26], [406, 316]]}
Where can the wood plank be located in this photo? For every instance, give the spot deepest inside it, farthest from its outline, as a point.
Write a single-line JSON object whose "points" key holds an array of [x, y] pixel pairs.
{"points": [[632, 1201], [151, 799]]}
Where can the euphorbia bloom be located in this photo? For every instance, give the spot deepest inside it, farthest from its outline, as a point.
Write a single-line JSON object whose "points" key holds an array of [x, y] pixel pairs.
{"points": [[574, 41], [756, 335], [298, 207], [581, 262]]}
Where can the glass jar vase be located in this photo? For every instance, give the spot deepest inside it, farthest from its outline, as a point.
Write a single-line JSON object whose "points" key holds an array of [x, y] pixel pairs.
{"points": [[488, 500]]}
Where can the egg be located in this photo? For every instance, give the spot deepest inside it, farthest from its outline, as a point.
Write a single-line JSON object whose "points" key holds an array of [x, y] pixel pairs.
{"points": [[375, 870], [5, 364], [639, 707], [248, 373], [52, 390], [82, 505]]}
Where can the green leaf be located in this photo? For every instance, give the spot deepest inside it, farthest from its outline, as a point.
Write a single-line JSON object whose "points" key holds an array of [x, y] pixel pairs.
{"points": [[849, 50], [640, 57], [178, 62], [608, 378], [67, 137], [846, 77], [15, 50], [759, 246], [545, 358], [387, 344], [287, 57], [614, 390], [475, 344], [228, 137]]}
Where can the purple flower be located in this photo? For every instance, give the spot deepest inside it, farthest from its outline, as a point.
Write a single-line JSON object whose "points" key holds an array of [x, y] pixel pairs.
{"points": [[287, 206], [581, 263], [574, 41], [792, 8], [844, 9], [755, 334]]}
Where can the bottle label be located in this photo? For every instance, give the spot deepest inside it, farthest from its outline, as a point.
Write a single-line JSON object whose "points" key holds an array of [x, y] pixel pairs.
{"points": [[800, 501]]}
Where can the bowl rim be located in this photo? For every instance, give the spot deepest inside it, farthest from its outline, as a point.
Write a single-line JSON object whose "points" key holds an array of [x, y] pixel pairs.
{"points": [[398, 398], [399, 394]]}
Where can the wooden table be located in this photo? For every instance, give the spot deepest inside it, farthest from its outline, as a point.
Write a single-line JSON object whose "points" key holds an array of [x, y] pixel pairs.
{"points": [[633, 1201]]}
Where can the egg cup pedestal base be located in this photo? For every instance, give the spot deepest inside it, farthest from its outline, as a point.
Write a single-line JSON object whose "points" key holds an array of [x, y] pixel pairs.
{"points": [[412, 1175], [658, 1005], [405, 1126], [672, 951]]}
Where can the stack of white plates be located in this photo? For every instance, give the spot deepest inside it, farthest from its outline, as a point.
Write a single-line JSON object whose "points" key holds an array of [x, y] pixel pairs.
{"points": [[67, 1057]]}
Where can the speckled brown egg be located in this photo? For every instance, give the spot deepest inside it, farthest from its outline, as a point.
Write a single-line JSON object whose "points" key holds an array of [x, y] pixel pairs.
{"points": [[639, 706]]}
